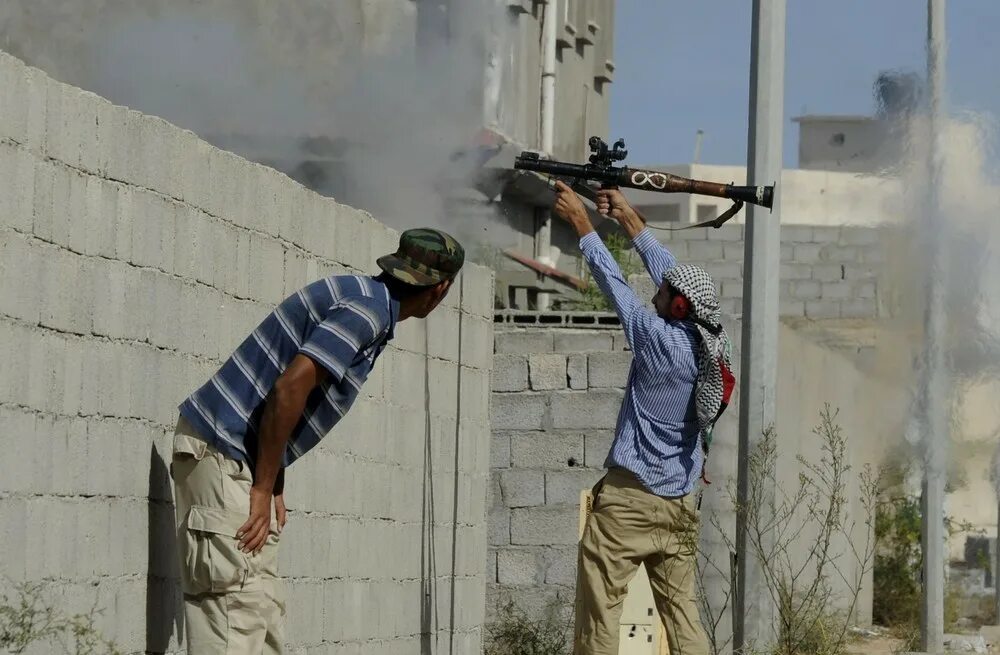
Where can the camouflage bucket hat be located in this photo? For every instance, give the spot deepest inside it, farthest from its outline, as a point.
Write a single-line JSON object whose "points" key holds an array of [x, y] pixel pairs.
{"points": [[425, 257]]}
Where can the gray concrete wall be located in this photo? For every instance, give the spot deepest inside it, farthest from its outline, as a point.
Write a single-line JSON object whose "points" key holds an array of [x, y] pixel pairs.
{"points": [[133, 259], [556, 395], [826, 272]]}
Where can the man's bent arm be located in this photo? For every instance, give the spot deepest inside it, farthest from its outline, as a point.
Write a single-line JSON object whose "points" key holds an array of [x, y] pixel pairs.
{"points": [[609, 278], [655, 256], [282, 411]]}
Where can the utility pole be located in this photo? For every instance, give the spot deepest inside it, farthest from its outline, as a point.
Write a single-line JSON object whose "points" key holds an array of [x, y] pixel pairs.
{"points": [[755, 613], [543, 216], [933, 391]]}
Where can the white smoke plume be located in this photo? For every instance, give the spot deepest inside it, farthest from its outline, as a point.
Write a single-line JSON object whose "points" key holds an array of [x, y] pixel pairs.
{"points": [[337, 93]]}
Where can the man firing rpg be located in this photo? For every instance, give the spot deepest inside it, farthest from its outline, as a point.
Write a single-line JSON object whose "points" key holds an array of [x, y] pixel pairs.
{"points": [[644, 510]]}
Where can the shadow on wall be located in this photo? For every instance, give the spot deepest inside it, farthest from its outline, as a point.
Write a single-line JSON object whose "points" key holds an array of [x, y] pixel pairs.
{"points": [[163, 597]]}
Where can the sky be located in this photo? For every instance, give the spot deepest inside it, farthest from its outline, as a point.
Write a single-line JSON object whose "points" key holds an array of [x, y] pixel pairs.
{"points": [[684, 65]]}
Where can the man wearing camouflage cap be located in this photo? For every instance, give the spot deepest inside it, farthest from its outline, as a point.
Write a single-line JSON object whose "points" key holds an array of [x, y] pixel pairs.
{"points": [[644, 510], [283, 389]]}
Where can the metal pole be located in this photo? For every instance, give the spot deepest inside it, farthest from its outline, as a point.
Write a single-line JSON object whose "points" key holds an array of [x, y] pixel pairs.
{"points": [[934, 396], [543, 217], [759, 353]]}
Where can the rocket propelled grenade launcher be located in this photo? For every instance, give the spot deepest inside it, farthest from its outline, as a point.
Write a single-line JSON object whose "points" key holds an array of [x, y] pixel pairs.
{"points": [[601, 169]]}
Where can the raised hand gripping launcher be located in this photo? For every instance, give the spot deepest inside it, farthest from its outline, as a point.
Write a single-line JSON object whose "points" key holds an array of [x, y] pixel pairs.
{"points": [[601, 169]]}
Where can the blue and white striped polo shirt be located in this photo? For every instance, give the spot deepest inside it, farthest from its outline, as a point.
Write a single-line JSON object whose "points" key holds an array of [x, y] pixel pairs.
{"points": [[657, 436], [342, 322]]}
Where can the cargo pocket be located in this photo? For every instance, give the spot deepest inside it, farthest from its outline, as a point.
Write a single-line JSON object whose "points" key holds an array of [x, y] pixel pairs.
{"points": [[212, 560]]}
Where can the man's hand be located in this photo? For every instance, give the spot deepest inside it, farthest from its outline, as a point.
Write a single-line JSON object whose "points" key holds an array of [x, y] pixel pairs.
{"points": [[612, 202], [253, 533], [570, 208], [280, 513]]}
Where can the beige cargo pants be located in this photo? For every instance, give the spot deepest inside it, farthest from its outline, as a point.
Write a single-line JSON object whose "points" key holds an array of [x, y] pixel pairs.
{"points": [[233, 602], [628, 526]]}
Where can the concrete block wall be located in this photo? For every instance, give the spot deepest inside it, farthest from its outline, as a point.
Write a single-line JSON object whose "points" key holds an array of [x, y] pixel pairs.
{"points": [[826, 272], [556, 395], [133, 259]]}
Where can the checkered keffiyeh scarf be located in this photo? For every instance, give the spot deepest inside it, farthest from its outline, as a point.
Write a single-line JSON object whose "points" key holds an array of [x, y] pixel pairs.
{"points": [[698, 288]]}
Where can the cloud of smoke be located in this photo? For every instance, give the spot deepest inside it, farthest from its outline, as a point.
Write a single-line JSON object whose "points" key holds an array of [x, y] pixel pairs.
{"points": [[363, 100]]}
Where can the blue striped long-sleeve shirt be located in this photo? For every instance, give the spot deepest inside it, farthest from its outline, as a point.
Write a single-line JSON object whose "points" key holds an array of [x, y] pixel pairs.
{"points": [[657, 436], [342, 322]]}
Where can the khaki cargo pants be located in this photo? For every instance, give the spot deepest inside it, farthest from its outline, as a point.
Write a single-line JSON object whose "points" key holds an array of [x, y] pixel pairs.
{"points": [[628, 526], [233, 602]]}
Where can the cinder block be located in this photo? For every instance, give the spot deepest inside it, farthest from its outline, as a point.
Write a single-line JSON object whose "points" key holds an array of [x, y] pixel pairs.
{"points": [[841, 254], [796, 234], [520, 411], [13, 105], [516, 566], [732, 289], [97, 235], [60, 141], [787, 251], [788, 307], [860, 272], [731, 306], [50, 200], [477, 288], [621, 343], [576, 371], [153, 232], [522, 488], [707, 251], [594, 409], [442, 330], [500, 450], [873, 255], [820, 309], [729, 233], [564, 487], [560, 566], [825, 234], [582, 341], [805, 290], [859, 308], [523, 342], [17, 184], [828, 272], [696, 234], [609, 370], [796, 271], [477, 342], [596, 446], [354, 241], [837, 290], [476, 396], [733, 251], [547, 371], [544, 526], [65, 306], [20, 271], [859, 236], [267, 261], [804, 253], [547, 450], [724, 271], [864, 290], [37, 87]]}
